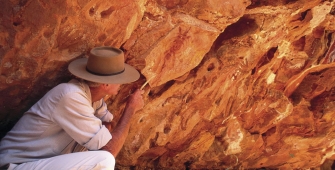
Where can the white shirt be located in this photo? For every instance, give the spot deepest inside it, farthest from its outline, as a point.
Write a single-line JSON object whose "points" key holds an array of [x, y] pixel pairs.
{"points": [[63, 117]]}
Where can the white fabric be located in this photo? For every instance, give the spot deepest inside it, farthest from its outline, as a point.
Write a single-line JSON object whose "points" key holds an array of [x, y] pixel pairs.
{"points": [[56, 124], [91, 160]]}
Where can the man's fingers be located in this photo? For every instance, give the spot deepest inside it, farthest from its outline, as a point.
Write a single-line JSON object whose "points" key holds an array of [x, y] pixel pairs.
{"points": [[137, 95], [136, 100], [139, 91]]}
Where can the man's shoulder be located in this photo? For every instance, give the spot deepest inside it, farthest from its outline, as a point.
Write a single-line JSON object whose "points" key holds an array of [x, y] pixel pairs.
{"points": [[66, 89]]}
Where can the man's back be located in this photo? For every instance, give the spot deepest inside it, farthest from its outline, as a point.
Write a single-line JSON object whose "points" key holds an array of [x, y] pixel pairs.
{"points": [[44, 130]]}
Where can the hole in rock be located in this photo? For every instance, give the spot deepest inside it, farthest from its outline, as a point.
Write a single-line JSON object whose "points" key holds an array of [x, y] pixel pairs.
{"points": [[332, 11], [295, 98], [167, 129], [150, 93], [253, 71], [91, 11], [157, 91], [217, 102], [17, 22], [64, 20], [259, 3], [289, 1], [303, 15], [23, 2], [270, 132], [107, 13], [265, 59], [244, 26], [48, 33], [211, 67], [187, 165], [152, 142], [170, 4]]}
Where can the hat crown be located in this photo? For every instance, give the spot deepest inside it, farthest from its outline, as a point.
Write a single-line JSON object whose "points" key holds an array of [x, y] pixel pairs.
{"points": [[105, 61], [104, 65]]}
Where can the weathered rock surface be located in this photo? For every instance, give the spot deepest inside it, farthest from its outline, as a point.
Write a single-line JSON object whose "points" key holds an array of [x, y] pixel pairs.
{"points": [[237, 84]]}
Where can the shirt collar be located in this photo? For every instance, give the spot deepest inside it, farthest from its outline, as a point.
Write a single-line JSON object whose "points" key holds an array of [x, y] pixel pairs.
{"points": [[84, 87]]}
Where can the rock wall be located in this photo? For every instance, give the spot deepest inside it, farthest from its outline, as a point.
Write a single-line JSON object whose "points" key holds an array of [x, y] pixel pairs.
{"points": [[233, 84]]}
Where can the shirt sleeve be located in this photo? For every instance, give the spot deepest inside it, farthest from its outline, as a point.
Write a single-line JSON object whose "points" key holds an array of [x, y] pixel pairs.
{"points": [[102, 112], [76, 116]]}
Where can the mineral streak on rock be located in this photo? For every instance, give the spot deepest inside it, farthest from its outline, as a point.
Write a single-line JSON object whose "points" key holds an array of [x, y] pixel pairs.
{"points": [[234, 84]]}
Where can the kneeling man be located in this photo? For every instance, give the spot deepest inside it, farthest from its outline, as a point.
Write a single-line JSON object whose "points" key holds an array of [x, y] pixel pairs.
{"points": [[68, 128]]}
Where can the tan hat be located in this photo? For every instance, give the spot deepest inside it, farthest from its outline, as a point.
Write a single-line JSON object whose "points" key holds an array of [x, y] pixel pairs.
{"points": [[104, 65]]}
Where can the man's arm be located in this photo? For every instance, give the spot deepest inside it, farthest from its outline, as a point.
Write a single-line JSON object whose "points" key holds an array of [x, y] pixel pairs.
{"points": [[120, 132]]}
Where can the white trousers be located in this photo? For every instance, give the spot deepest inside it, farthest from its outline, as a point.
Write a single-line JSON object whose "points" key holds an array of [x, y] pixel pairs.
{"points": [[97, 160]]}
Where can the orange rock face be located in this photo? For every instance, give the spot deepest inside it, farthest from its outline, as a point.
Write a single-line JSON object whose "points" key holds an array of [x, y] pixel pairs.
{"points": [[236, 84]]}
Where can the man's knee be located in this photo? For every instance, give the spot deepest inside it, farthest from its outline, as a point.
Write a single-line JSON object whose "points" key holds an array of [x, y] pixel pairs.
{"points": [[107, 155], [107, 159]]}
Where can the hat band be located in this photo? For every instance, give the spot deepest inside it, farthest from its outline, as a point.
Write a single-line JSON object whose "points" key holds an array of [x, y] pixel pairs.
{"points": [[100, 74]]}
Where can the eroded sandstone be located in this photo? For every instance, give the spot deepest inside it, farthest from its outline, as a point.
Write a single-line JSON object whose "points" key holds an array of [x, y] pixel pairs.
{"points": [[236, 84]]}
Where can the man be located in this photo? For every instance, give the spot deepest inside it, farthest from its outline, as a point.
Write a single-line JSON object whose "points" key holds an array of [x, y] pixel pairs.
{"points": [[73, 117]]}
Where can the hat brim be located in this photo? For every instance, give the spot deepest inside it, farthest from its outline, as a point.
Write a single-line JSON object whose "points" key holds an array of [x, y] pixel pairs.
{"points": [[78, 68]]}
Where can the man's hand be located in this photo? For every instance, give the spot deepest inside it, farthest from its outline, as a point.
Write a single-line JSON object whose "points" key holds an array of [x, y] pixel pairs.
{"points": [[120, 132], [135, 100]]}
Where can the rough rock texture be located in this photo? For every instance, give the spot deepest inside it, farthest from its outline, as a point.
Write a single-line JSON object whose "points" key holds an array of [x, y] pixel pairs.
{"points": [[236, 84]]}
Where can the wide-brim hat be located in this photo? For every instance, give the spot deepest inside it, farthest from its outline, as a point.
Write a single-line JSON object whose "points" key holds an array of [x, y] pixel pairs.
{"points": [[104, 65]]}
